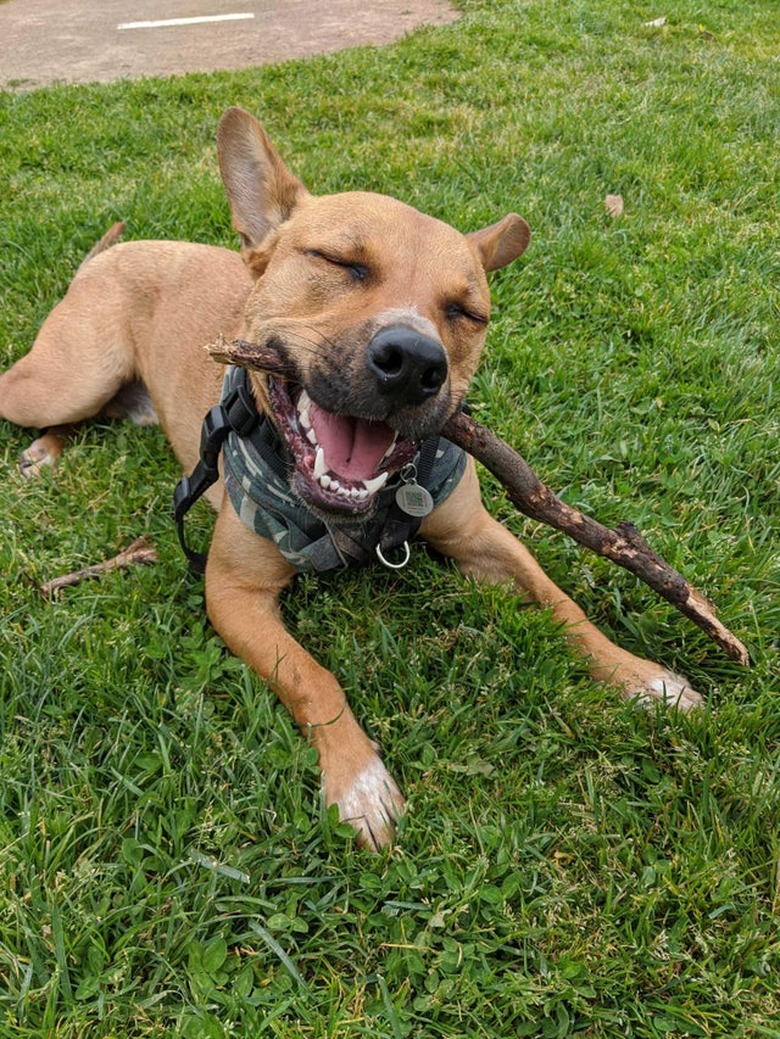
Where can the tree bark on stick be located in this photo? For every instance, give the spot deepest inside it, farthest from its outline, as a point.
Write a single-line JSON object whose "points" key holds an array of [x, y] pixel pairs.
{"points": [[250, 355], [623, 545]]}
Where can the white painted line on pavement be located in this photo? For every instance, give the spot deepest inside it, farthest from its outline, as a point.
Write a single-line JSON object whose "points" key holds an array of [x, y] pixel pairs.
{"points": [[185, 21]]}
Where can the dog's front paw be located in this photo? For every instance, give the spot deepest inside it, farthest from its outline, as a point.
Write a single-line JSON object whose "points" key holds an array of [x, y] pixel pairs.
{"points": [[369, 801], [668, 688]]}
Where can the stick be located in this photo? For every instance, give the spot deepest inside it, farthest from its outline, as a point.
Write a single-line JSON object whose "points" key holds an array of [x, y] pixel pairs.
{"points": [[249, 355], [624, 545], [140, 551]]}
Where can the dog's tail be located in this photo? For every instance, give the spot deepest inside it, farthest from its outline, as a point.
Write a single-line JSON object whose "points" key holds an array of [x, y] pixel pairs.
{"points": [[111, 237]]}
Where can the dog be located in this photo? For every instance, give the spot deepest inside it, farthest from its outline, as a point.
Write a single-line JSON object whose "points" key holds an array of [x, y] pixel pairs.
{"points": [[381, 312]]}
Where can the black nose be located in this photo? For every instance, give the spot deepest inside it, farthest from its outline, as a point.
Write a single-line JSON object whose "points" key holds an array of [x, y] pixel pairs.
{"points": [[407, 366]]}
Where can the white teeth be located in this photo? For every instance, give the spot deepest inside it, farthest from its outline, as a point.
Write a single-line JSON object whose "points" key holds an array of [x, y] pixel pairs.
{"points": [[352, 495], [372, 486], [390, 449], [304, 404], [330, 483], [349, 494]]}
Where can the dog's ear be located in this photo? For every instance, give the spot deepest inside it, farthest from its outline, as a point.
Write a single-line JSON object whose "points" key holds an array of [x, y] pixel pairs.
{"points": [[501, 243], [261, 190]]}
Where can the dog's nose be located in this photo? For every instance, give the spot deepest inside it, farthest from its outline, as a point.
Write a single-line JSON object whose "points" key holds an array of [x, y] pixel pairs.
{"points": [[407, 366]]}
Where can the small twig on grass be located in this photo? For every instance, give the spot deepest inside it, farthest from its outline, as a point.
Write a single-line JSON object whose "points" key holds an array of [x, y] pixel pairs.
{"points": [[140, 551], [624, 545]]}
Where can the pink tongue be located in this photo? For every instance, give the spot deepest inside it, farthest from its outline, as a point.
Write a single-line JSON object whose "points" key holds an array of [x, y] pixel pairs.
{"points": [[353, 447]]}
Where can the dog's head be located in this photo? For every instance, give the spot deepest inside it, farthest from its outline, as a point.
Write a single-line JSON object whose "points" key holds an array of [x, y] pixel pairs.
{"points": [[381, 310]]}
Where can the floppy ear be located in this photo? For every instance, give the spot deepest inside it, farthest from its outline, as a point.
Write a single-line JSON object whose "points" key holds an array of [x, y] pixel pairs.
{"points": [[501, 243], [261, 190]]}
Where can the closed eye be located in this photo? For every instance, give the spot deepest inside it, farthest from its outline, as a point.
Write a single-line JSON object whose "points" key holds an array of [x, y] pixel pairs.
{"points": [[358, 271], [454, 311]]}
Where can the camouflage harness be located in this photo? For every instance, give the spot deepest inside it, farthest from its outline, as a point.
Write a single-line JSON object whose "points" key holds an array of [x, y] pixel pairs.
{"points": [[257, 470]]}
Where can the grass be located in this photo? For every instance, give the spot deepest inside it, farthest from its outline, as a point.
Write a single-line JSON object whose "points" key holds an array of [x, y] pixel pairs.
{"points": [[570, 865]]}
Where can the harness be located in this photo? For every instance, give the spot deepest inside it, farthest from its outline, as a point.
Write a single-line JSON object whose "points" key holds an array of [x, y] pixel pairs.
{"points": [[257, 469]]}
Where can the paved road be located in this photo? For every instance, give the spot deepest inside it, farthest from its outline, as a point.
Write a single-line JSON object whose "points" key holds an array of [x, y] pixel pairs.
{"points": [[79, 41]]}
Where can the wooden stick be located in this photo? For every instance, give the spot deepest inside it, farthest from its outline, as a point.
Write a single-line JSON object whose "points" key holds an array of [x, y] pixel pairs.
{"points": [[249, 355], [140, 551], [624, 545]]}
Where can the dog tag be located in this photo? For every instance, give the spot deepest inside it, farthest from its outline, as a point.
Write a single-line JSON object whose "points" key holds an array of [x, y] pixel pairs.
{"points": [[413, 499]]}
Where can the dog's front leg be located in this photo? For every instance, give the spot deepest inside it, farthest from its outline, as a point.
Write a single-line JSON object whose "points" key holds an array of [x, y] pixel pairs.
{"points": [[244, 577], [463, 529]]}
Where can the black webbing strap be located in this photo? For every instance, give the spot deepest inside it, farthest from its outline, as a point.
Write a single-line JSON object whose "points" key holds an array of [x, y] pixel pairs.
{"points": [[238, 414]]}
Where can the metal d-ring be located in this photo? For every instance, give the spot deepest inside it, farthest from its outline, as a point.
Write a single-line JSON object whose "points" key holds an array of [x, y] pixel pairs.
{"points": [[395, 566]]}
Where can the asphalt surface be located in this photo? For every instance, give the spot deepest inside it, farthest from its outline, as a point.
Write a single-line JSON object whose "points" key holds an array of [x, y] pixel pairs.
{"points": [[43, 42]]}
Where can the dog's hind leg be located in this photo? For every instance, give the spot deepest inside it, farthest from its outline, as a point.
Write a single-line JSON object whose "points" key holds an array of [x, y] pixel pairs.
{"points": [[81, 359], [132, 401], [45, 450], [77, 364]]}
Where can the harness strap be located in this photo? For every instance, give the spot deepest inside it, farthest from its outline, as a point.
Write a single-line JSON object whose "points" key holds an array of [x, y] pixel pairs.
{"points": [[237, 413]]}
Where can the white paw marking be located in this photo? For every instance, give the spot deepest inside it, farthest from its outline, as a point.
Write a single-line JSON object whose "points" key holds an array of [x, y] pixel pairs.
{"points": [[34, 460], [674, 691], [371, 804]]}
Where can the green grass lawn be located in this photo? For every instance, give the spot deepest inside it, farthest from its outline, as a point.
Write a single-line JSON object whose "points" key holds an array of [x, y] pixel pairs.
{"points": [[570, 865]]}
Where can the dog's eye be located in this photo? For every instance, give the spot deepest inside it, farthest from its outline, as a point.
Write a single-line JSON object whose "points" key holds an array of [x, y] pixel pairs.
{"points": [[357, 271], [455, 311]]}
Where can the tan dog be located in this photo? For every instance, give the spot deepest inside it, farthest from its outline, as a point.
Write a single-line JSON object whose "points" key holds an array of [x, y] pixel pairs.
{"points": [[382, 311]]}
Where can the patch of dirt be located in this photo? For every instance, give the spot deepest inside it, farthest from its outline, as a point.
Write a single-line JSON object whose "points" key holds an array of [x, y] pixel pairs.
{"points": [[80, 41]]}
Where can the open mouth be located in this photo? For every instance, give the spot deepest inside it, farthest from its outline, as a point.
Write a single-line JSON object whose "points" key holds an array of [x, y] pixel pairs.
{"points": [[341, 462]]}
